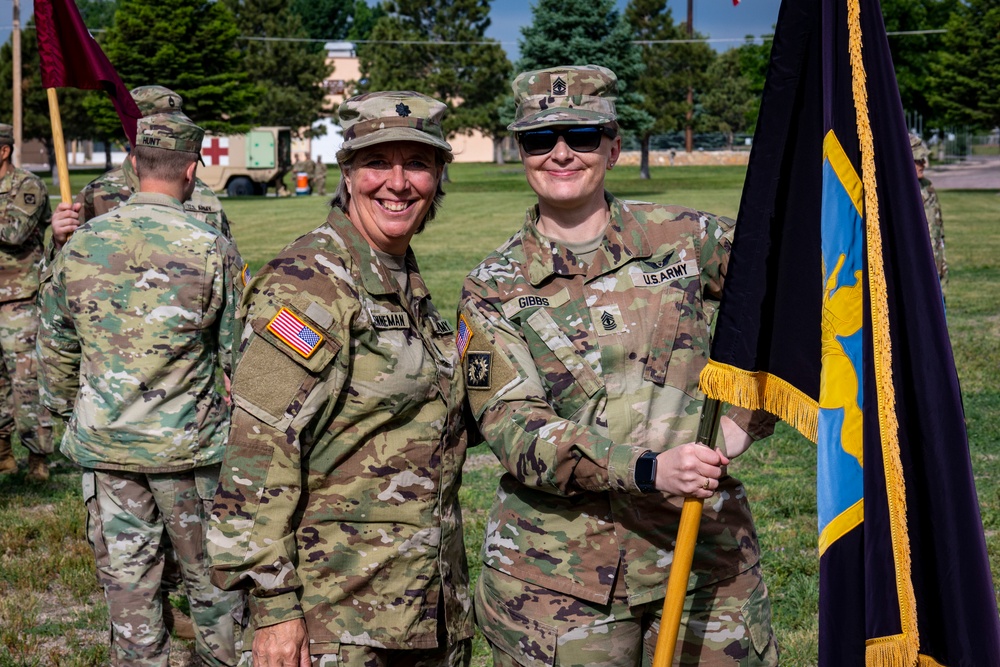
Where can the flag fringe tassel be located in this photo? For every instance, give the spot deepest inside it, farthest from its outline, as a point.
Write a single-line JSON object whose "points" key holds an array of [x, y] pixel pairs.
{"points": [[761, 391], [895, 651], [902, 649]]}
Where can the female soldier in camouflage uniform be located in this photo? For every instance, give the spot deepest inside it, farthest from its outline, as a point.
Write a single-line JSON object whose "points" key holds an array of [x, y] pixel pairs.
{"points": [[582, 339], [338, 502]]}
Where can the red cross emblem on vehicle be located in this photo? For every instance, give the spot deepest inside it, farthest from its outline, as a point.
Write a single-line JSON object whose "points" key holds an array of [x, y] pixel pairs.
{"points": [[215, 151]]}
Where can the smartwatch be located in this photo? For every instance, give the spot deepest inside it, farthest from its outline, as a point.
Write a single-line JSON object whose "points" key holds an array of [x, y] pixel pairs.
{"points": [[645, 472]]}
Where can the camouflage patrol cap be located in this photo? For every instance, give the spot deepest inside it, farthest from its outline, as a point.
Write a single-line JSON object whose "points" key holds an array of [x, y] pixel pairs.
{"points": [[156, 99], [919, 148], [572, 95], [170, 131], [392, 115], [6, 134]]}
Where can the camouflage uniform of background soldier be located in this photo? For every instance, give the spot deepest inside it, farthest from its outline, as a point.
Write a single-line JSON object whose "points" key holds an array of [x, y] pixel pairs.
{"points": [[932, 209], [113, 188], [138, 320], [577, 365], [338, 501], [23, 218], [105, 194], [319, 176]]}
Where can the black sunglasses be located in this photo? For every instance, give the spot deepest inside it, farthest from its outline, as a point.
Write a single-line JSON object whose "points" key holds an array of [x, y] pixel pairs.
{"points": [[585, 139]]}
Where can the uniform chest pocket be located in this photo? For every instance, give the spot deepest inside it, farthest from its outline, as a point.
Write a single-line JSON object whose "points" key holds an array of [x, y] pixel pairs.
{"points": [[677, 349], [542, 324]]}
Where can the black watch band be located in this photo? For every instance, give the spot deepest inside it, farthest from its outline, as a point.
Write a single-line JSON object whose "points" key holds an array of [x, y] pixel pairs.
{"points": [[645, 472]]}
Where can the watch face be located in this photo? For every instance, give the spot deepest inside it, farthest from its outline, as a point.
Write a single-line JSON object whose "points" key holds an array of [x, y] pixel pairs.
{"points": [[645, 470]]}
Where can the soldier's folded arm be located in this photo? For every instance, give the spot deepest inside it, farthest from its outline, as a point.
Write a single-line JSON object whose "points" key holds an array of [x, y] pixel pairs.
{"points": [[536, 445], [278, 396]]}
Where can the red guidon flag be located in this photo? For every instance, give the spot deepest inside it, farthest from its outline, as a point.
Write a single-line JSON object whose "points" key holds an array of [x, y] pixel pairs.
{"points": [[71, 58]]}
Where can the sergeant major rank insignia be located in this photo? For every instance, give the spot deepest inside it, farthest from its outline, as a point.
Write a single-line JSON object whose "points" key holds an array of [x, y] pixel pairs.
{"points": [[477, 370], [559, 86]]}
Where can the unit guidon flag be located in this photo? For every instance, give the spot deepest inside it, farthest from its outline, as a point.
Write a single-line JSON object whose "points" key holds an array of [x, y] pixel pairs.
{"points": [[833, 319]]}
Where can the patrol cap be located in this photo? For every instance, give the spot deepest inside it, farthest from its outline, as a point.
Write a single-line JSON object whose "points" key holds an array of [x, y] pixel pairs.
{"points": [[6, 134], [392, 115], [919, 148], [156, 99], [571, 95], [170, 131]]}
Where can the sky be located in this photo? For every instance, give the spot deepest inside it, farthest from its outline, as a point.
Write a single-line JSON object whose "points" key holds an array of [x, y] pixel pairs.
{"points": [[716, 18]]}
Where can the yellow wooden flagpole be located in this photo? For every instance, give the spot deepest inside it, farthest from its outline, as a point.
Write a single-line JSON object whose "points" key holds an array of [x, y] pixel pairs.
{"points": [[59, 144], [687, 535]]}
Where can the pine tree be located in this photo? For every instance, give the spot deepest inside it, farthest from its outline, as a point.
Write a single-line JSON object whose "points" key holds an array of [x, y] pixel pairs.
{"points": [[728, 102], [450, 63], [966, 77], [588, 33], [191, 47], [289, 73]]}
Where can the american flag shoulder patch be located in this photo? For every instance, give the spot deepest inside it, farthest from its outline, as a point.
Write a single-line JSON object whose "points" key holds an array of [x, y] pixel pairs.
{"points": [[463, 337], [246, 274], [301, 337]]}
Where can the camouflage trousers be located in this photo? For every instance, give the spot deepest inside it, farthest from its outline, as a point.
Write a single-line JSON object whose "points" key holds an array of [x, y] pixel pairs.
{"points": [[725, 624], [456, 655], [127, 516], [19, 401]]}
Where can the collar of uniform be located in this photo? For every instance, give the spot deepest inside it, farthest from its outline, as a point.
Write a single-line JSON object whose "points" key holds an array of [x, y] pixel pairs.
{"points": [[374, 276], [155, 198], [624, 238], [131, 178]]}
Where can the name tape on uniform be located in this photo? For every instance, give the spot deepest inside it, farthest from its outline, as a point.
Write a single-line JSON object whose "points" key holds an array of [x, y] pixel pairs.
{"points": [[389, 320], [442, 327], [677, 270], [514, 306], [289, 328]]}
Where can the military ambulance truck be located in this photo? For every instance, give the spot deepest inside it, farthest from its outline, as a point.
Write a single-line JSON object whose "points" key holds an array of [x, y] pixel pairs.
{"points": [[246, 164]]}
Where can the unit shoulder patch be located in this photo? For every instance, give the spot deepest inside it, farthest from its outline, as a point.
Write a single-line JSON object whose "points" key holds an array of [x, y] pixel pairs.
{"points": [[478, 370], [30, 199]]}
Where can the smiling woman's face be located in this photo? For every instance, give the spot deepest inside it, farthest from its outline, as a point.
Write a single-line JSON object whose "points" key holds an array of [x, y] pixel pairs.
{"points": [[392, 187]]}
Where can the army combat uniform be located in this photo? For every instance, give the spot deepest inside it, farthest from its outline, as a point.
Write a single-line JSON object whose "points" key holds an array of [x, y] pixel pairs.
{"points": [[138, 318], [935, 227], [338, 500], [24, 214], [113, 188], [574, 369]]}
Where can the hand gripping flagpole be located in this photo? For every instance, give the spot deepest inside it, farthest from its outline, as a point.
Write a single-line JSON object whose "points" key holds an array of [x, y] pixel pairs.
{"points": [[687, 535], [59, 144]]}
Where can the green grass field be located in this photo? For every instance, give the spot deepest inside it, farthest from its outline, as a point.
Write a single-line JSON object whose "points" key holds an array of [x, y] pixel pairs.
{"points": [[52, 612]]}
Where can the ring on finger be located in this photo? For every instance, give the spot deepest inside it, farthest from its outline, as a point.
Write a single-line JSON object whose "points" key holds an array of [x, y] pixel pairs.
{"points": [[706, 484]]}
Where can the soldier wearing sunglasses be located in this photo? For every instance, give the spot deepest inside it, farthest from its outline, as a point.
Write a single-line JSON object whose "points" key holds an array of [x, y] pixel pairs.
{"points": [[581, 340]]}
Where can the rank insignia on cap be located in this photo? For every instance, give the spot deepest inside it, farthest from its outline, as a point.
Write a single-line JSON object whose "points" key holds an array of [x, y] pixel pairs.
{"points": [[559, 86], [478, 370], [402, 110], [463, 337], [245, 274], [29, 198], [300, 336]]}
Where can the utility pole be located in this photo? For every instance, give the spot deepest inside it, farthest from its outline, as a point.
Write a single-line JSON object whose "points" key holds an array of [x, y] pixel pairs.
{"points": [[16, 47], [688, 131]]}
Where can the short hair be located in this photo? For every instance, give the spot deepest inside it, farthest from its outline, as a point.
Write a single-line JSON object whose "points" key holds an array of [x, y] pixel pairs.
{"points": [[342, 198], [161, 164]]}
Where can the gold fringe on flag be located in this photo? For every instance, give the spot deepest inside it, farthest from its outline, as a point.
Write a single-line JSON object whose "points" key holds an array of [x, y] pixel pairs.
{"points": [[900, 650], [761, 391]]}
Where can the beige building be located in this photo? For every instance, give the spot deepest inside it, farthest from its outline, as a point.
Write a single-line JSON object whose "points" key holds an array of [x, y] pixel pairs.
{"points": [[346, 72]]}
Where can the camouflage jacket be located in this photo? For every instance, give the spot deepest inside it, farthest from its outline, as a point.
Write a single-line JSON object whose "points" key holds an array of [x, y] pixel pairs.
{"points": [[935, 227], [338, 497], [138, 316], [113, 188], [24, 214], [573, 373]]}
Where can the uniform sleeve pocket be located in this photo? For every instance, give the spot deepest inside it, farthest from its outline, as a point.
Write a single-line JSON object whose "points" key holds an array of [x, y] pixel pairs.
{"points": [[237, 501]]}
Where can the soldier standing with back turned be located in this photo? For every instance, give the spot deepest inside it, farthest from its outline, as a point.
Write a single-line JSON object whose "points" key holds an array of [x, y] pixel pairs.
{"points": [[24, 212], [138, 319]]}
